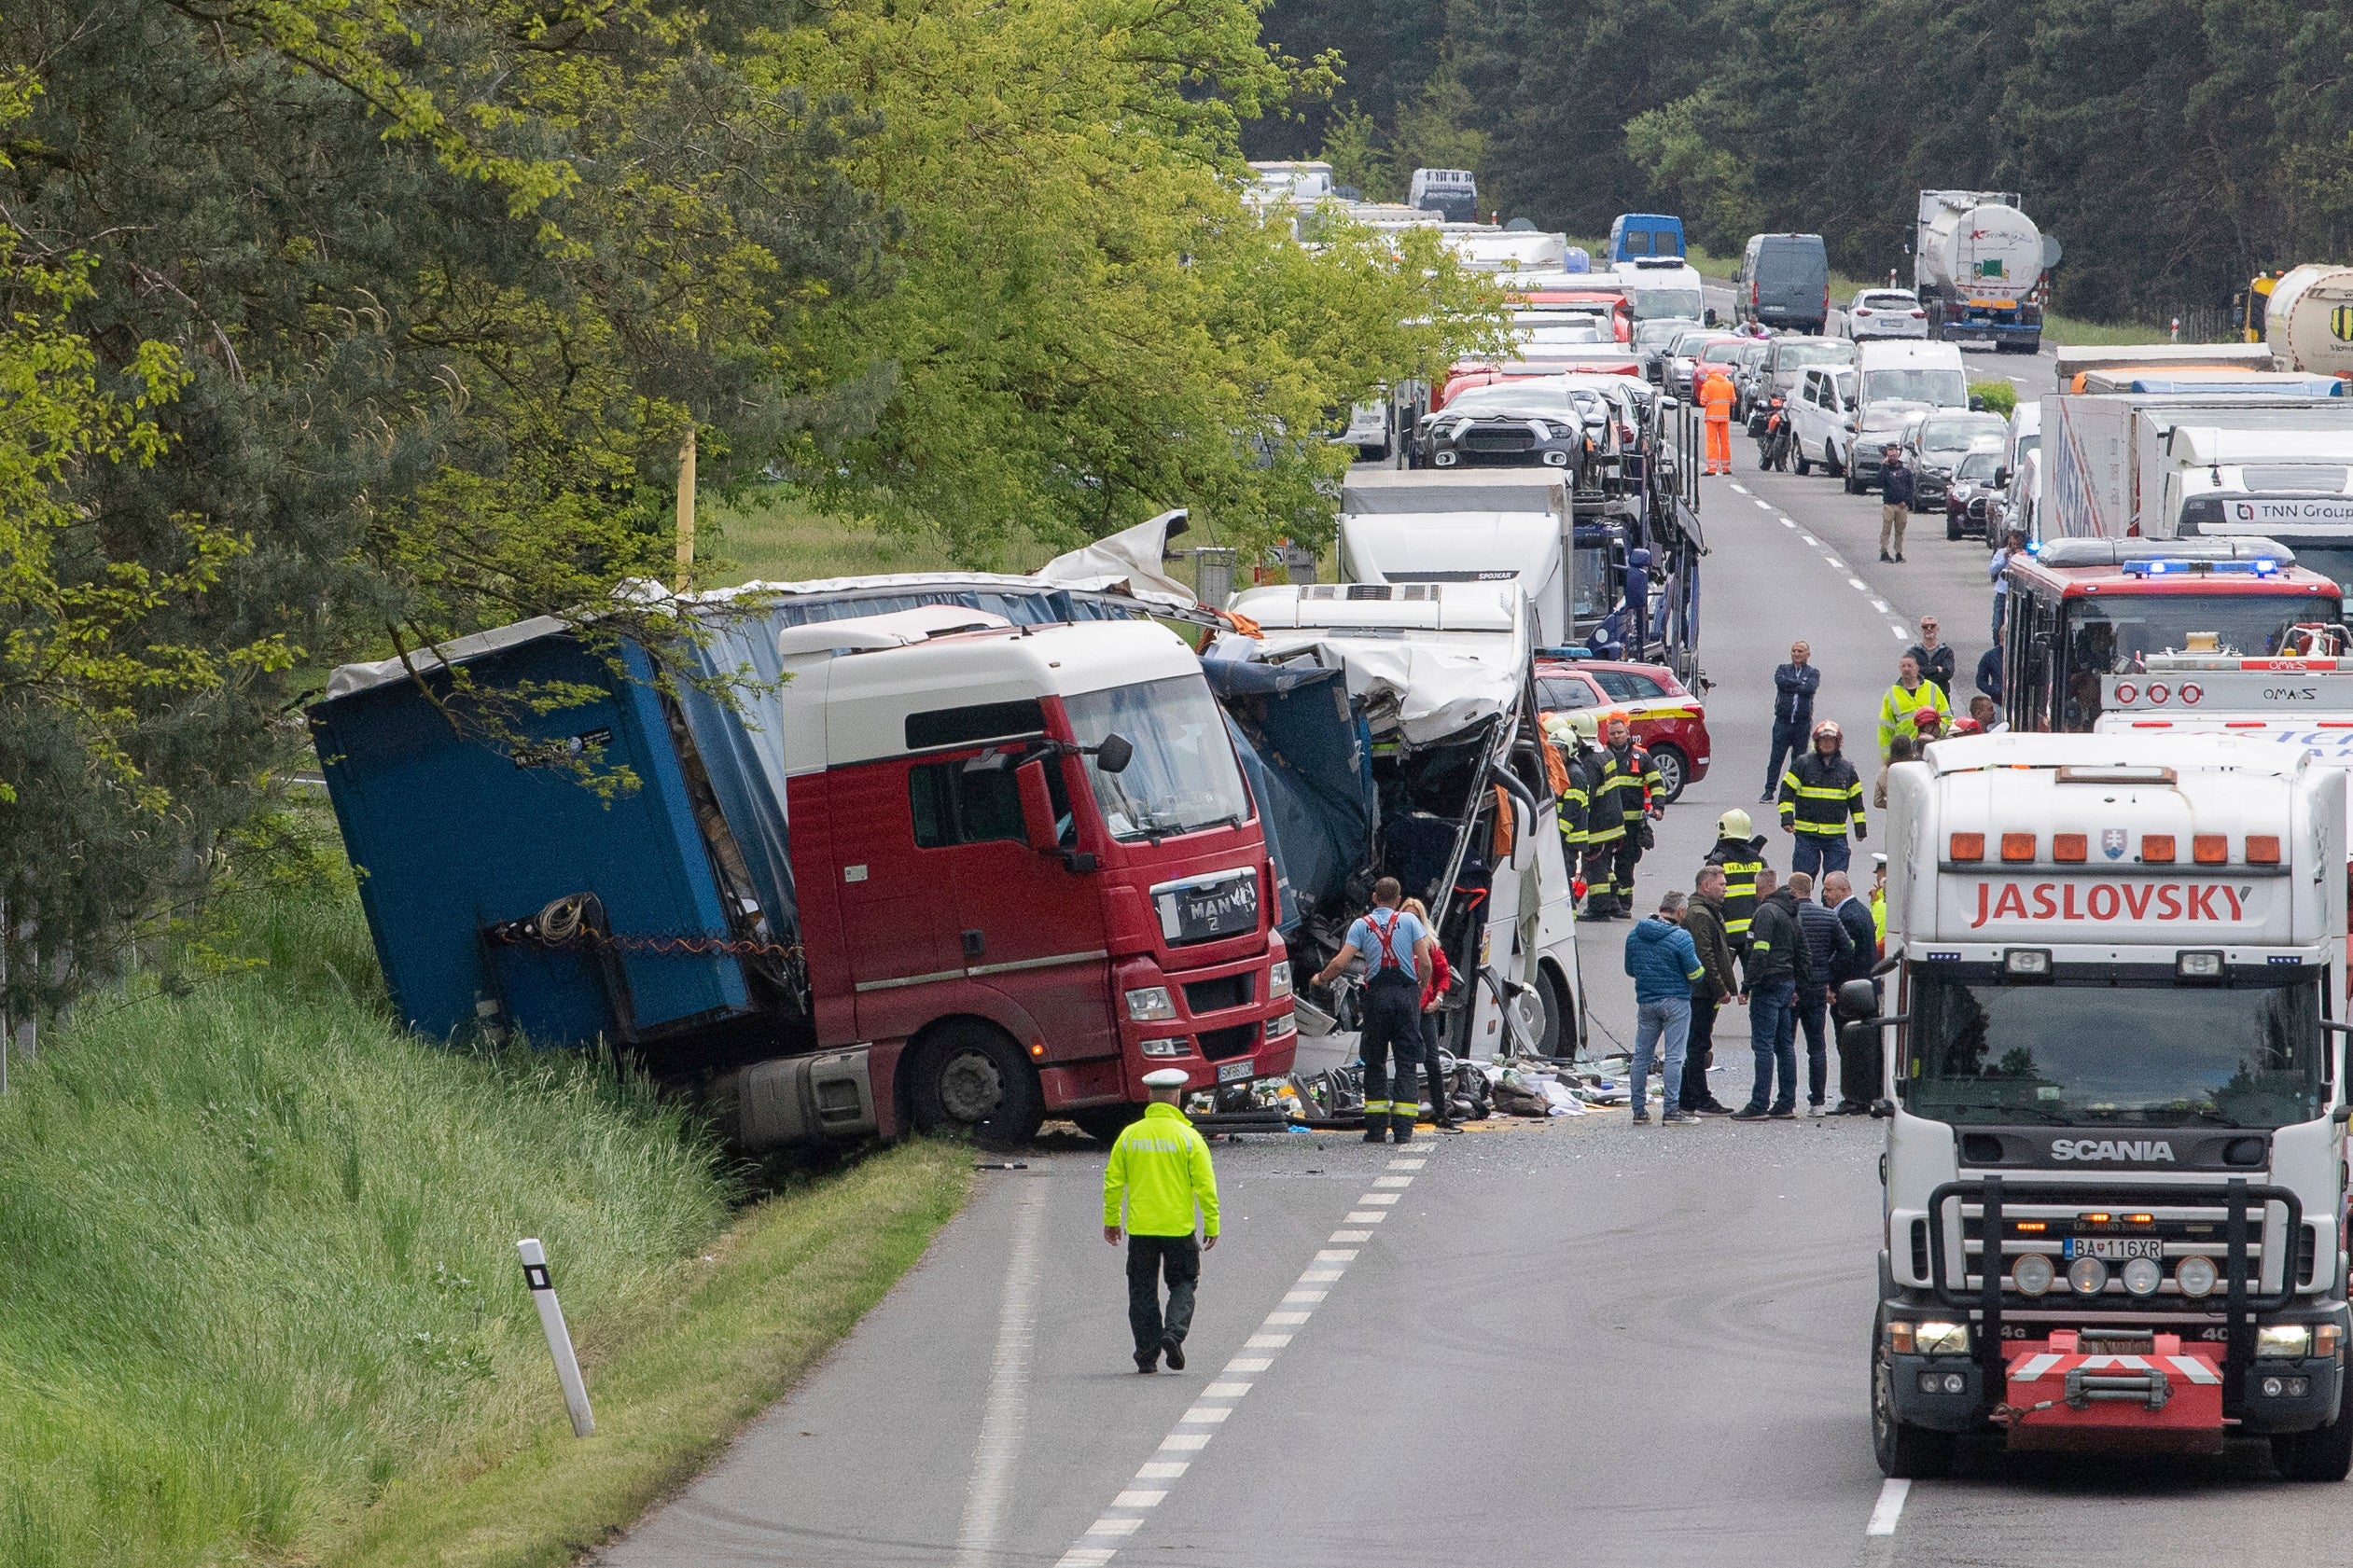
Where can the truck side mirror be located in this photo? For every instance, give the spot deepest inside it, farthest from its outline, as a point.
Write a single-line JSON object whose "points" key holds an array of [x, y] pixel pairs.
{"points": [[1859, 999], [1114, 754], [1038, 808], [2001, 478]]}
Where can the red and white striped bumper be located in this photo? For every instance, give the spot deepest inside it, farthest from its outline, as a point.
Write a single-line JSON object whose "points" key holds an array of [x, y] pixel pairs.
{"points": [[2060, 1397]]}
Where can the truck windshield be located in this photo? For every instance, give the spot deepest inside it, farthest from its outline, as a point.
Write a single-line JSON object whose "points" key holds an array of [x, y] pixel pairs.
{"points": [[2101, 1052], [1652, 302], [2114, 636], [2332, 562], [1183, 777], [1944, 389]]}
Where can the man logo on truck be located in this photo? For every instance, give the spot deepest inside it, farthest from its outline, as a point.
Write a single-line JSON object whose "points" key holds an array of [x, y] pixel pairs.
{"points": [[2110, 1148]]}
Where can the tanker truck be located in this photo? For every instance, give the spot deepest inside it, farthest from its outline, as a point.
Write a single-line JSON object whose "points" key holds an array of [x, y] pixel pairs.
{"points": [[2308, 324], [1977, 265]]}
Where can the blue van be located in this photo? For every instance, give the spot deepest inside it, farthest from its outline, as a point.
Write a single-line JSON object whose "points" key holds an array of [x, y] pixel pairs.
{"points": [[1639, 236]]}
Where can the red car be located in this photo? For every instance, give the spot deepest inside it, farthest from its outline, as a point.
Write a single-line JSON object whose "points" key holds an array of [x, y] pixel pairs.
{"points": [[1669, 721]]}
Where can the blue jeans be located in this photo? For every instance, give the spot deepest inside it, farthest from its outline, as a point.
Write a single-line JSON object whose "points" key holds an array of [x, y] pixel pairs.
{"points": [[1789, 741], [1810, 1009], [1772, 1035], [1818, 855], [1671, 1018]]}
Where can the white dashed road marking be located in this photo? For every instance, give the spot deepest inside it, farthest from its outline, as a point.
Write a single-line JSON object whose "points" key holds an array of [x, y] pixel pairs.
{"points": [[1214, 1406], [1788, 523], [1881, 606], [1900, 631], [1738, 486], [1859, 584], [1889, 1507], [1766, 504]]}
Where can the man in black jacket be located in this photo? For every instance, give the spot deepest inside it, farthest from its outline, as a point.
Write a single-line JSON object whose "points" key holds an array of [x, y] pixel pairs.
{"points": [[1934, 656], [1895, 501], [1718, 984], [1777, 966], [1794, 684], [1828, 947], [1821, 795], [1857, 1061]]}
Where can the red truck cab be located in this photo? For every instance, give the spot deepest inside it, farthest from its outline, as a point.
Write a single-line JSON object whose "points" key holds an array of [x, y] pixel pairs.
{"points": [[1029, 868]]}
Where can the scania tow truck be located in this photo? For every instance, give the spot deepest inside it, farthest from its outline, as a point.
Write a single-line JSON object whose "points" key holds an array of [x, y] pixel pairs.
{"points": [[2113, 1031]]}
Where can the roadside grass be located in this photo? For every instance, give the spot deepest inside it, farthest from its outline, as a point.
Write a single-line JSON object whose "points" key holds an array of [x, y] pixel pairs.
{"points": [[2074, 332], [773, 536], [261, 1298]]}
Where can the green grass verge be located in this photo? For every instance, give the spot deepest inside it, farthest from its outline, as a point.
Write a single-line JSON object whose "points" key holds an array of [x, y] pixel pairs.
{"points": [[2071, 332], [772, 536], [261, 1299]]}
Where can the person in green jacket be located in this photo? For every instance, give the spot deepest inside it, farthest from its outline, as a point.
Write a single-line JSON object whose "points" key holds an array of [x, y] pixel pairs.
{"points": [[1906, 696], [1160, 1169]]}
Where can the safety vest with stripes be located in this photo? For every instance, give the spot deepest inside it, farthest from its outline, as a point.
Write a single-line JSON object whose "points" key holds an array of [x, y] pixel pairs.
{"points": [[1822, 795]]}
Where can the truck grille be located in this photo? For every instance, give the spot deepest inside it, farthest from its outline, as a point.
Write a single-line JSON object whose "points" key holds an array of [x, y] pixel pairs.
{"points": [[2184, 1220], [1216, 996], [1219, 1044]]}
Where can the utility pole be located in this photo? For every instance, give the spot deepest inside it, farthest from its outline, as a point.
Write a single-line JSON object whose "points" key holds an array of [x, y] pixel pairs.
{"points": [[686, 508]]}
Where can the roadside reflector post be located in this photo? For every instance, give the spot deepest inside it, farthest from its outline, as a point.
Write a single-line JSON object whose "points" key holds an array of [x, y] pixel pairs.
{"points": [[567, 1366]]}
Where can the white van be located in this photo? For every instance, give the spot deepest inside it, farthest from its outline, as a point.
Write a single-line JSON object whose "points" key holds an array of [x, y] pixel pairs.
{"points": [[1897, 385], [1453, 192], [1665, 285]]}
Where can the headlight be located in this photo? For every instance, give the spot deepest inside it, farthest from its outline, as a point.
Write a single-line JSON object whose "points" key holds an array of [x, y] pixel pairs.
{"points": [[2283, 1338], [2143, 1275], [2196, 1276], [1941, 1339], [1278, 978], [2087, 1276], [1558, 432], [2032, 1274], [1150, 1004], [1174, 1045], [1280, 1028]]}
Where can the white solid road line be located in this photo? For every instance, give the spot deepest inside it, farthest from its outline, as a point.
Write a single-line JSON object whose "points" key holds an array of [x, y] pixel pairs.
{"points": [[1199, 1424], [1889, 1507], [1007, 1410]]}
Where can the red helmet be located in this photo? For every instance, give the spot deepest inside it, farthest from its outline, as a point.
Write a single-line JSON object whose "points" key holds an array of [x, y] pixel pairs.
{"points": [[1829, 726]]}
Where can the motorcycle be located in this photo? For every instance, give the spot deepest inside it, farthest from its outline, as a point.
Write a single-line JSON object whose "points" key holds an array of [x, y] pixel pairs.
{"points": [[1773, 447]]}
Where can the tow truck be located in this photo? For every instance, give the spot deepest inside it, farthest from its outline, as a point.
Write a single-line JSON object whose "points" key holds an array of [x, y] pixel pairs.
{"points": [[2113, 1036]]}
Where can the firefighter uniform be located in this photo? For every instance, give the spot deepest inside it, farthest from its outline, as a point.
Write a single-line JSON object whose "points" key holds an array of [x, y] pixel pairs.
{"points": [[1742, 857], [1635, 786], [1605, 830], [1820, 797], [1564, 771]]}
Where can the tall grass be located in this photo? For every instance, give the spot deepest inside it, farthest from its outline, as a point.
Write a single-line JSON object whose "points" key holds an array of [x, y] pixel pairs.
{"points": [[772, 534], [256, 1252]]}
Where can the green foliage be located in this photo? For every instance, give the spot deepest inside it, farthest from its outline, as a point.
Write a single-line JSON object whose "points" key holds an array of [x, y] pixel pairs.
{"points": [[259, 1251], [1999, 395]]}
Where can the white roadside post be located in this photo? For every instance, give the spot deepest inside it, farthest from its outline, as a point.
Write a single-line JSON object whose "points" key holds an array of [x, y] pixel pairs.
{"points": [[567, 1366]]}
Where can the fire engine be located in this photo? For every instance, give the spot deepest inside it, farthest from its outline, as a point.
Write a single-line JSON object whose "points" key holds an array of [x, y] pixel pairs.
{"points": [[2112, 1029]]}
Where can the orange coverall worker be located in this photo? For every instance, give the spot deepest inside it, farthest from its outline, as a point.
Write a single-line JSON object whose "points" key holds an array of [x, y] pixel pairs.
{"points": [[1716, 396]]}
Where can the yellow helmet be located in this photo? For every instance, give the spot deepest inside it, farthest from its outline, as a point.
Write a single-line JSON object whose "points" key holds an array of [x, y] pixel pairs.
{"points": [[1735, 824], [1583, 722]]}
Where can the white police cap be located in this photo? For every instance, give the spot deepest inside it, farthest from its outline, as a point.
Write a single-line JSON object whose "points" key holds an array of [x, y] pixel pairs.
{"points": [[1165, 1078]]}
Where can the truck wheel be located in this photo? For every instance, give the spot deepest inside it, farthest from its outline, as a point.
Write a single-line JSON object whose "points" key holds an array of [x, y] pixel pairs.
{"points": [[1673, 770], [1806, 463], [1105, 1123], [1904, 1452], [971, 1080], [2325, 1453]]}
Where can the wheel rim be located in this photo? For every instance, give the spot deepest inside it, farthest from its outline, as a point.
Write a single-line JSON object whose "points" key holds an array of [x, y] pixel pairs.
{"points": [[1670, 772], [970, 1088]]}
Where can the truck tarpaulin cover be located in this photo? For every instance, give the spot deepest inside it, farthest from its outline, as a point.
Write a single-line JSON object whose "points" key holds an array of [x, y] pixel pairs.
{"points": [[1426, 694], [1309, 764]]}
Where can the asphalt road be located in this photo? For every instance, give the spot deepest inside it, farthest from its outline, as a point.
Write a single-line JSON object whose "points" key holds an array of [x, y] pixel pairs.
{"points": [[1574, 1341]]}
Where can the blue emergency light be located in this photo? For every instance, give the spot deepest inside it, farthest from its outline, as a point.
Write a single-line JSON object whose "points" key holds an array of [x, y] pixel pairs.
{"points": [[2260, 566]]}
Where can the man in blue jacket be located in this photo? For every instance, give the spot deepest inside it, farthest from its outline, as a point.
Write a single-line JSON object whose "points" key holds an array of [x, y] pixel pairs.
{"points": [[1794, 684], [1663, 961]]}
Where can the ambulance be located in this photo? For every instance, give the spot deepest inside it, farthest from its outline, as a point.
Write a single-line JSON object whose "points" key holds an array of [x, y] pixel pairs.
{"points": [[2112, 1027]]}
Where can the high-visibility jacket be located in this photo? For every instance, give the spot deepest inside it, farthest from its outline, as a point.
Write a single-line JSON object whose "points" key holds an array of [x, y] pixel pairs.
{"points": [[1820, 794], [1160, 1167], [1632, 784], [1717, 394], [1742, 859], [1605, 815], [1569, 784], [1897, 708]]}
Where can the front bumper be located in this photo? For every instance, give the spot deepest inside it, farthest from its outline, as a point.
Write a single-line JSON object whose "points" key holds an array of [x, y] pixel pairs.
{"points": [[1256, 1034], [2200, 1397]]}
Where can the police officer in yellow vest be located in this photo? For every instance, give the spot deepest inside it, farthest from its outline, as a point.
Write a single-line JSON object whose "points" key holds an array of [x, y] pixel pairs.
{"points": [[1159, 1168], [1740, 850]]}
